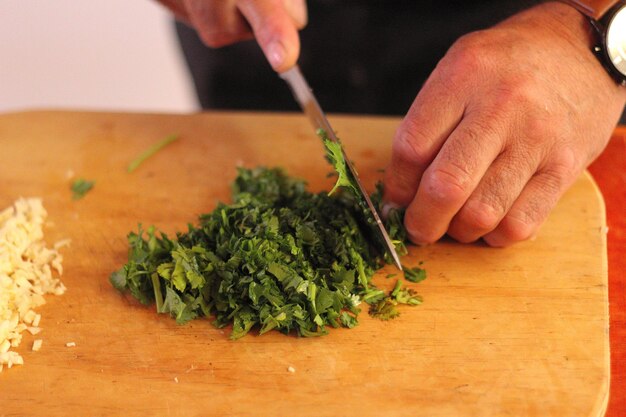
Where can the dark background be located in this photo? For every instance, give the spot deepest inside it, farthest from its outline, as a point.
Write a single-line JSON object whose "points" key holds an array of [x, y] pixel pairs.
{"points": [[360, 56]]}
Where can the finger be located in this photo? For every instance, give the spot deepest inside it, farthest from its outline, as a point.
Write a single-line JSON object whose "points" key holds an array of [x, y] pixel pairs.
{"points": [[218, 22], [494, 196], [453, 175], [274, 30], [178, 8], [434, 114], [296, 9], [535, 202]]}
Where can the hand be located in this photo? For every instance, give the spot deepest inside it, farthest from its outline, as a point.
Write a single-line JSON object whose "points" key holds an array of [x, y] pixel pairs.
{"points": [[274, 23], [506, 122]]}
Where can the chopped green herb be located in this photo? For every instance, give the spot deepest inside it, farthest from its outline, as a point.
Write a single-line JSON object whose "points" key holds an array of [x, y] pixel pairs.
{"points": [[80, 187], [151, 151], [391, 275], [415, 274], [277, 258], [403, 295], [385, 309]]}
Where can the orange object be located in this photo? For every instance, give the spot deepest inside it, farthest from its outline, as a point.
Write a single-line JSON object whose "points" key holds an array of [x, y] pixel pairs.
{"points": [[609, 171]]}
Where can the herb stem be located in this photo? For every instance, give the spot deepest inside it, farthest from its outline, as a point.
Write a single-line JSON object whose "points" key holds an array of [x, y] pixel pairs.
{"points": [[158, 296], [151, 151]]}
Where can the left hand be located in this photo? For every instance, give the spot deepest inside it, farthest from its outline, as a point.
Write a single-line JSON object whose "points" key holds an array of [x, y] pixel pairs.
{"points": [[506, 122]]}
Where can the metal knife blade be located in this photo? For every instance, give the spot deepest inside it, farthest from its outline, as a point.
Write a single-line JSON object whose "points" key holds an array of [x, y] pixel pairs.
{"points": [[307, 101]]}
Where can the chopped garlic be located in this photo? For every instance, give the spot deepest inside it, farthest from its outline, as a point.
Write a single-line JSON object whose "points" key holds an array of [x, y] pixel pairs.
{"points": [[26, 274], [33, 330], [70, 344], [29, 317], [176, 379], [37, 344], [291, 369]]}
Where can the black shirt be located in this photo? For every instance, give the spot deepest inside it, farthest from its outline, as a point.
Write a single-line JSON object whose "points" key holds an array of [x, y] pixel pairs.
{"points": [[360, 56]]}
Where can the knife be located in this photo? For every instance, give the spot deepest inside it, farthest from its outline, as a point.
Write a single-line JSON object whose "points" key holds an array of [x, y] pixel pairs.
{"points": [[307, 101]]}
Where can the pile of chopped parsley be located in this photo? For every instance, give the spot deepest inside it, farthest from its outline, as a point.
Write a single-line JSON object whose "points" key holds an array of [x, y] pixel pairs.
{"points": [[278, 257]]}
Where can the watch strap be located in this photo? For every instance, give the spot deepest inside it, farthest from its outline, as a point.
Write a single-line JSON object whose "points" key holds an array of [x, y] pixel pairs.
{"points": [[595, 9]]}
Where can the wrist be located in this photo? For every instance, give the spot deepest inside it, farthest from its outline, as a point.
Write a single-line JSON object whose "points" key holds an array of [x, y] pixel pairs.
{"points": [[608, 36], [595, 9], [568, 22]]}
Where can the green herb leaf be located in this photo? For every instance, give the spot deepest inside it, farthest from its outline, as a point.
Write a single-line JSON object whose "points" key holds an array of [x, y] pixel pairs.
{"points": [[385, 309], [80, 187], [335, 155], [415, 274], [118, 279]]}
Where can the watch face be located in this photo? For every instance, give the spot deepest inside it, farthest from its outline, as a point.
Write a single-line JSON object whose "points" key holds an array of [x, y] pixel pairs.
{"points": [[616, 40]]}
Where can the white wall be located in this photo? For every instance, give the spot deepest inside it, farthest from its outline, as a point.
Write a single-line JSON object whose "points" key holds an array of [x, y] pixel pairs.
{"points": [[91, 54]]}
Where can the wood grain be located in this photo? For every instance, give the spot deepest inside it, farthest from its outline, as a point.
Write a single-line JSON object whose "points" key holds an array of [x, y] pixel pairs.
{"points": [[517, 331]]}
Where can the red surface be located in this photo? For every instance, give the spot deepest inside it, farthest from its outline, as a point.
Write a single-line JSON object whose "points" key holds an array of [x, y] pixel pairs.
{"points": [[609, 171]]}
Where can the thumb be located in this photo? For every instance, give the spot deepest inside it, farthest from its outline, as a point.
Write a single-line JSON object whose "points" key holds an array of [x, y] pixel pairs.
{"points": [[275, 28]]}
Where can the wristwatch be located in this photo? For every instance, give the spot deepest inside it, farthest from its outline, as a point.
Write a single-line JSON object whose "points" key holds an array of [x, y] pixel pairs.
{"points": [[608, 19]]}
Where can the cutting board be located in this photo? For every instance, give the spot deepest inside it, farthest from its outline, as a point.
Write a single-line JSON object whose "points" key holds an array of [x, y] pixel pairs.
{"points": [[521, 331]]}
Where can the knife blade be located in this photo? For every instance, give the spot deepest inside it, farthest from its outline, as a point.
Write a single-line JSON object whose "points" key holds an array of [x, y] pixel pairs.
{"points": [[310, 106]]}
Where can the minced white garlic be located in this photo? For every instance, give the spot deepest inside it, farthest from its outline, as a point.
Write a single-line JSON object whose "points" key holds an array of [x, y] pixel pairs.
{"points": [[26, 274], [70, 344], [36, 320], [37, 344], [33, 330], [291, 369]]}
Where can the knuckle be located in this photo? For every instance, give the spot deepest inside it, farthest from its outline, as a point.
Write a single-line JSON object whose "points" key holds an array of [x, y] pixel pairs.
{"points": [[518, 227], [269, 27], [215, 39], [411, 144], [480, 216], [564, 165], [447, 184], [400, 185], [515, 91], [482, 133], [470, 53], [519, 93], [542, 131]]}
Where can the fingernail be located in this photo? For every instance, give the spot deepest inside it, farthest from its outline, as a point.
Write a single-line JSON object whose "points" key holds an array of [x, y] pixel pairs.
{"points": [[387, 207], [276, 54], [494, 240], [417, 240], [415, 236]]}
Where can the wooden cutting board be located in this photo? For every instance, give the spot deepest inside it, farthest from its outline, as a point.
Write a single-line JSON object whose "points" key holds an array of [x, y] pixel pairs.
{"points": [[521, 331]]}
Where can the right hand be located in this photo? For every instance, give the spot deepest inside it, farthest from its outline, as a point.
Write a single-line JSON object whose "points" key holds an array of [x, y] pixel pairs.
{"points": [[274, 24]]}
